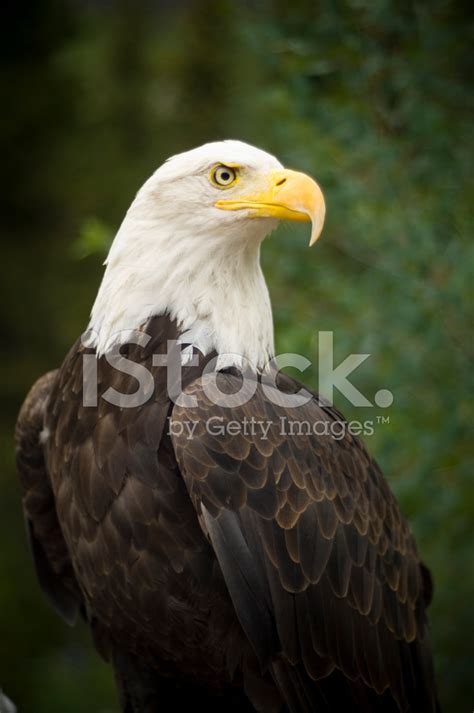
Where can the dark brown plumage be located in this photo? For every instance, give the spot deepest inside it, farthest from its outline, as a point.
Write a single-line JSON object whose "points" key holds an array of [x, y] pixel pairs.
{"points": [[253, 573]]}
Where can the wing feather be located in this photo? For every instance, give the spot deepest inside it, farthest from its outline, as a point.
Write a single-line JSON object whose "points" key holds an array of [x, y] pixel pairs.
{"points": [[53, 566], [314, 551]]}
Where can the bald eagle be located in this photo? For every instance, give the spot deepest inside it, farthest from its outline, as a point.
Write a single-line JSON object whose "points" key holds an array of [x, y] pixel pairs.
{"points": [[236, 568]]}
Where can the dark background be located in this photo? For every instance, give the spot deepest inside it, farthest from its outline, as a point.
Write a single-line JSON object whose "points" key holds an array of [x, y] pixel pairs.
{"points": [[373, 99]]}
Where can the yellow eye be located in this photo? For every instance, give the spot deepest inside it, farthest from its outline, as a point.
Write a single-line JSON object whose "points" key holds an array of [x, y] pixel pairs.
{"points": [[223, 176]]}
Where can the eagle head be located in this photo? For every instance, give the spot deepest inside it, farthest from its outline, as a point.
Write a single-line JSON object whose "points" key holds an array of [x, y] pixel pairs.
{"points": [[189, 247]]}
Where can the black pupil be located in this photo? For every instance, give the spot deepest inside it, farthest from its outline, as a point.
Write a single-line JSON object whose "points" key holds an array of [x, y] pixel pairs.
{"points": [[225, 176]]}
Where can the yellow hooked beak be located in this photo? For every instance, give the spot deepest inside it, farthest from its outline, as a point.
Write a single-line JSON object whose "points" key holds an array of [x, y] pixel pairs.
{"points": [[288, 195]]}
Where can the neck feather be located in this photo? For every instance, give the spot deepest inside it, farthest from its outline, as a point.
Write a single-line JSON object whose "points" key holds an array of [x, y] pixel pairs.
{"points": [[218, 296]]}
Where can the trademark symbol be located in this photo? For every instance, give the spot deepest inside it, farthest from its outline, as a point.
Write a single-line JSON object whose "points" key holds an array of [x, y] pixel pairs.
{"points": [[383, 419]]}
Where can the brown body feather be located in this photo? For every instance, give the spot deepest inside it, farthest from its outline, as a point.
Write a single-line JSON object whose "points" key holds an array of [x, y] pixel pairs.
{"points": [[257, 573]]}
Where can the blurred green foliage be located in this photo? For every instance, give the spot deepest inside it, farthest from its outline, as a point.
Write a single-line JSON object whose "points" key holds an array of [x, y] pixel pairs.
{"points": [[373, 99]]}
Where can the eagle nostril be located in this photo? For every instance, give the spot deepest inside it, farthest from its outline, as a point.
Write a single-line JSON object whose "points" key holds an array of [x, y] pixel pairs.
{"points": [[281, 182]]}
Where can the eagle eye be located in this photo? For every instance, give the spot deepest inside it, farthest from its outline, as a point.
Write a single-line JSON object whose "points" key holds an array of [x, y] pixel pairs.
{"points": [[223, 176]]}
